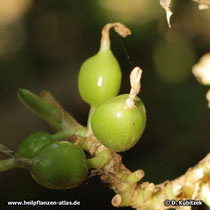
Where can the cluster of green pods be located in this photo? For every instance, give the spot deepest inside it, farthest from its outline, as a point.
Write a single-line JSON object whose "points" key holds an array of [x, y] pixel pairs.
{"points": [[55, 164], [116, 125], [117, 121]]}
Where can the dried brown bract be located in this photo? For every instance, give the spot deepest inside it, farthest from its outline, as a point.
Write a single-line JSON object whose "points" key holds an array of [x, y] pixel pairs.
{"points": [[166, 5]]}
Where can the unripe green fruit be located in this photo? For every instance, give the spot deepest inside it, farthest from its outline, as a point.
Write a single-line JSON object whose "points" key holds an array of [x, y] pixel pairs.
{"points": [[60, 165], [32, 144], [99, 78], [117, 126]]}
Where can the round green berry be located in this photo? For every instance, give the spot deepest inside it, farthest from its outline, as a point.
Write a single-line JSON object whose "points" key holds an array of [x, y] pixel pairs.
{"points": [[117, 126], [33, 143], [99, 78], [60, 165]]}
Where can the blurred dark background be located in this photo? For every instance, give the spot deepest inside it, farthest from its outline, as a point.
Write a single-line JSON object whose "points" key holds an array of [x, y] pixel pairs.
{"points": [[42, 46]]}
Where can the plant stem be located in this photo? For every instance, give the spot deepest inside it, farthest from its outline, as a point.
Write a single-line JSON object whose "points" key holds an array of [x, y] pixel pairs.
{"points": [[67, 133], [119, 28], [99, 159], [91, 111], [61, 135], [7, 164], [194, 184], [135, 176], [26, 163]]}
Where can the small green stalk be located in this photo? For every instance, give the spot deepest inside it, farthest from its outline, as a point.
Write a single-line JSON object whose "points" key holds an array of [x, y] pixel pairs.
{"points": [[99, 159], [92, 110], [135, 177], [20, 161], [80, 134], [84, 144], [7, 164], [61, 135]]}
